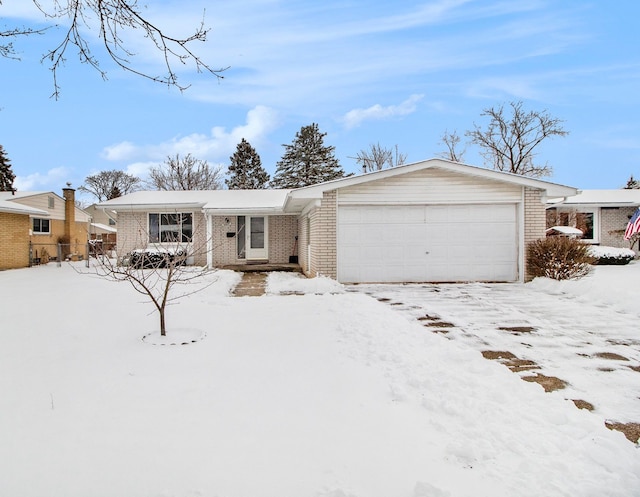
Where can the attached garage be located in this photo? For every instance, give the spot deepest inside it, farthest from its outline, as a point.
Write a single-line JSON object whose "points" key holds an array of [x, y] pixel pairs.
{"points": [[431, 221], [436, 243]]}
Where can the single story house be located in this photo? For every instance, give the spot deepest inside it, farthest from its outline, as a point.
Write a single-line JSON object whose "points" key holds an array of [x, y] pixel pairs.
{"points": [[602, 215], [45, 219], [103, 226], [430, 221]]}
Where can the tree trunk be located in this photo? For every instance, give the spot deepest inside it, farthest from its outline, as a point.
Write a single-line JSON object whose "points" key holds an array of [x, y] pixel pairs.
{"points": [[163, 328]]}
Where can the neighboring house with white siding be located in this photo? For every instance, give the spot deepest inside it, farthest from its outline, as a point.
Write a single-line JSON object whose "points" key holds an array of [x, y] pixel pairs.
{"points": [[434, 220], [602, 215]]}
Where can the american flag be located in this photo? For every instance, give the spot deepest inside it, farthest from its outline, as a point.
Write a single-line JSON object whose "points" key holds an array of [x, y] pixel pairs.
{"points": [[633, 226]]}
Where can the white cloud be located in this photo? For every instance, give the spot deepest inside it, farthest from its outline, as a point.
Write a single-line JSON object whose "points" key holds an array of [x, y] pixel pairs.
{"points": [[215, 146], [355, 117], [52, 180]]}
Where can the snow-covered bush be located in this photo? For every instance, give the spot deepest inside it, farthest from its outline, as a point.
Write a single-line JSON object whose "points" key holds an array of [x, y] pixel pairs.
{"points": [[558, 257], [611, 255]]}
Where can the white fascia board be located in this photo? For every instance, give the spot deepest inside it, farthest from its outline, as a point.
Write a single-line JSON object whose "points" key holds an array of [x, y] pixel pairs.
{"points": [[153, 207]]}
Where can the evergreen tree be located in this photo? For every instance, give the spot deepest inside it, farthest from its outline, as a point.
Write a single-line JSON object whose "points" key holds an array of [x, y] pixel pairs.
{"points": [[632, 184], [6, 174], [307, 161], [246, 171]]}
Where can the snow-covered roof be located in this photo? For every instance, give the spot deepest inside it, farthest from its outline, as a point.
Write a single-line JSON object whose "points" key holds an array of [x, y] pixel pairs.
{"points": [[16, 208], [566, 230], [18, 194], [219, 201], [104, 227], [610, 198], [294, 200]]}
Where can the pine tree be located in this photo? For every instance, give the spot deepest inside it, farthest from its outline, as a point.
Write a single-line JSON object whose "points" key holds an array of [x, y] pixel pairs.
{"points": [[632, 184], [307, 161], [246, 171], [6, 174]]}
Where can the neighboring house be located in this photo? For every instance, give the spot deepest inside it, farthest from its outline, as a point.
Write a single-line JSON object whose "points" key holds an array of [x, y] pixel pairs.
{"points": [[434, 221], [15, 227], [602, 215], [103, 226], [51, 220]]}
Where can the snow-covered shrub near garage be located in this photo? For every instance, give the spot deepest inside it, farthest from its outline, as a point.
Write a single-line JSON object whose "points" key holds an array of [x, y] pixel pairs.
{"points": [[559, 257], [611, 255]]}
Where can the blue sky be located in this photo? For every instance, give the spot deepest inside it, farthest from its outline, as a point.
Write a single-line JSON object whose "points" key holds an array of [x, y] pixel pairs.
{"points": [[394, 73]]}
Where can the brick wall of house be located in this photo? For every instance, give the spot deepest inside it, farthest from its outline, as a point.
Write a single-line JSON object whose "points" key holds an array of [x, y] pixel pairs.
{"points": [[535, 219], [225, 249], [613, 222], [14, 242], [46, 245], [323, 227], [303, 243], [133, 234], [282, 233]]}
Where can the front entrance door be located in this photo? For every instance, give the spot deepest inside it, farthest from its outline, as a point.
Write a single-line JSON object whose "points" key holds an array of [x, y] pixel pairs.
{"points": [[257, 238]]}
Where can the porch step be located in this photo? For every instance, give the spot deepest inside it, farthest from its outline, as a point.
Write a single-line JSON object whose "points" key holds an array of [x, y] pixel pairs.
{"points": [[252, 284], [262, 267]]}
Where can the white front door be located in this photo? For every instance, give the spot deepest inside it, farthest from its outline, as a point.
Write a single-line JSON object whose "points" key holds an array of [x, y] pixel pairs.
{"points": [[257, 238]]}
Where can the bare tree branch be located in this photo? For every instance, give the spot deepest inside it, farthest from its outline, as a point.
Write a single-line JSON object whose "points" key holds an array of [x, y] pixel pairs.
{"points": [[187, 173], [378, 157], [452, 142], [509, 143], [113, 18], [110, 184]]}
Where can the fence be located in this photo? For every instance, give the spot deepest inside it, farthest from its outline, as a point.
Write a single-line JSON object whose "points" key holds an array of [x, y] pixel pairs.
{"points": [[43, 253]]}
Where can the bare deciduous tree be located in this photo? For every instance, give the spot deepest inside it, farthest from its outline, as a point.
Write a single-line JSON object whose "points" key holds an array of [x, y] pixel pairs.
{"points": [[378, 157], [187, 173], [110, 184], [509, 142], [452, 142], [111, 19], [155, 270]]}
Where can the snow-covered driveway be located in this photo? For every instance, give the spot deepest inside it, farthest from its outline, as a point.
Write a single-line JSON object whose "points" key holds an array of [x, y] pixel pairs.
{"points": [[580, 332]]}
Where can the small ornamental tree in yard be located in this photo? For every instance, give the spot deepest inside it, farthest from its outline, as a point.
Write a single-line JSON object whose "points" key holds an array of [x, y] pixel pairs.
{"points": [[559, 258], [156, 270]]}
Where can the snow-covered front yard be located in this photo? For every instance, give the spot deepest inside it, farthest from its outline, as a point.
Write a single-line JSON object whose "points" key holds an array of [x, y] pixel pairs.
{"points": [[334, 394]]}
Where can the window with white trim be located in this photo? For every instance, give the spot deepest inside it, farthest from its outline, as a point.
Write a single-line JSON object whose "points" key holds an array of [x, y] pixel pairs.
{"points": [[170, 228], [41, 226]]}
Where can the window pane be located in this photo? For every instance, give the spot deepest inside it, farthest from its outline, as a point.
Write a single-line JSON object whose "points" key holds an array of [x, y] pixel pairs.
{"points": [[240, 236], [584, 222], [44, 225], [187, 227], [154, 228], [169, 227], [257, 232]]}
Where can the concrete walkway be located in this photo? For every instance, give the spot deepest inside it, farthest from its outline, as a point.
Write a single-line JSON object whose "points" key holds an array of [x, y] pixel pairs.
{"points": [[251, 285]]}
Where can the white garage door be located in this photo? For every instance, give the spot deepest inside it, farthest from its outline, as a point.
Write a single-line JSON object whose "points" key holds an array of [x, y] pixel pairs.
{"points": [[444, 243]]}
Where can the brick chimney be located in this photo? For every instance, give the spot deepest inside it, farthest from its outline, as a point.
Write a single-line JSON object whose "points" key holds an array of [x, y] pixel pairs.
{"points": [[69, 195]]}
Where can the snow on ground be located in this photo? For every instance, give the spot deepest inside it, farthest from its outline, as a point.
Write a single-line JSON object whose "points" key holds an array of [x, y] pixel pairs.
{"points": [[328, 394], [584, 331]]}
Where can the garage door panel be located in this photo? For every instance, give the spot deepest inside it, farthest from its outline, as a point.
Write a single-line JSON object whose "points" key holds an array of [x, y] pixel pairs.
{"points": [[427, 243]]}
